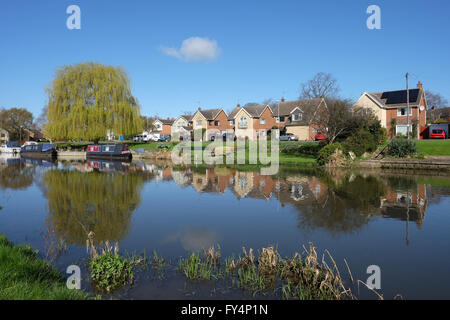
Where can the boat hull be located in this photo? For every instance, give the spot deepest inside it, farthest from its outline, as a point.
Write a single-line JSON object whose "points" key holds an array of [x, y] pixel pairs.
{"points": [[109, 156], [40, 155]]}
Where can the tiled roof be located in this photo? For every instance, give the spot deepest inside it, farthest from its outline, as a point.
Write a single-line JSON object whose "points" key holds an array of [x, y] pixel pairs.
{"points": [[210, 114], [187, 117], [167, 121], [286, 108], [253, 111]]}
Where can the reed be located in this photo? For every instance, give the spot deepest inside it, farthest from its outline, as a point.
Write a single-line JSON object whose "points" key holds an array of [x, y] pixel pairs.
{"points": [[303, 276]]}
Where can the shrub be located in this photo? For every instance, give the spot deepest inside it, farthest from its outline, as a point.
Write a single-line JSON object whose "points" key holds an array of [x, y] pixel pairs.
{"points": [[111, 271], [401, 148], [361, 142], [297, 149], [326, 152]]}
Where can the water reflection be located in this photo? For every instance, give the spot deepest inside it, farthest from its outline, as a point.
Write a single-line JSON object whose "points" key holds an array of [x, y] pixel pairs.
{"points": [[101, 196], [14, 174], [80, 201], [339, 202]]}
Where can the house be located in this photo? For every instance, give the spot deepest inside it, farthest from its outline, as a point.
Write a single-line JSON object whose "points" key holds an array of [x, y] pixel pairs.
{"points": [[300, 117], [163, 126], [182, 127], [4, 136], [213, 120], [390, 107], [254, 122]]}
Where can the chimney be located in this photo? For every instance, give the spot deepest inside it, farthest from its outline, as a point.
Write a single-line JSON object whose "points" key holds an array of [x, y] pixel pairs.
{"points": [[419, 85], [199, 109], [238, 105], [282, 99]]}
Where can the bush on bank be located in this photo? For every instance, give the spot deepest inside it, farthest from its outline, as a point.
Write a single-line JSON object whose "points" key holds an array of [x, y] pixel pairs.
{"points": [[326, 152], [401, 148]]}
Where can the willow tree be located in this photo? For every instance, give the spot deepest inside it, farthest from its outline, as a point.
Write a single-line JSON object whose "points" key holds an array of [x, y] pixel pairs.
{"points": [[87, 100]]}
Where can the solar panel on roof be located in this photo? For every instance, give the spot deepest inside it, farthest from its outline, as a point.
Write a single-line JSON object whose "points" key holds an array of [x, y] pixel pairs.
{"points": [[397, 97]]}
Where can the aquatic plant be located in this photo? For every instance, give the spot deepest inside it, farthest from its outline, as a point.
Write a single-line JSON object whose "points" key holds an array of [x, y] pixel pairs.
{"points": [[194, 268], [109, 270], [158, 262], [303, 277]]}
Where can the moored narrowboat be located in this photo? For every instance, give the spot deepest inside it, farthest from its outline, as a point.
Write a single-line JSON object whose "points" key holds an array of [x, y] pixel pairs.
{"points": [[117, 151], [40, 151], [12, 147]]}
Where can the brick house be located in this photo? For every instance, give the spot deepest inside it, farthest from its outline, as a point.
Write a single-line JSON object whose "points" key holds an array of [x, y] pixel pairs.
{"points": [[299, 117], [163, 126], [254, 122], [391, 108], [213, 120]]}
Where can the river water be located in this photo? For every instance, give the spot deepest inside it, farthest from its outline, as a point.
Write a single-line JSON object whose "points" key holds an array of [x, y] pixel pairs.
{"points": [[399, 221]]}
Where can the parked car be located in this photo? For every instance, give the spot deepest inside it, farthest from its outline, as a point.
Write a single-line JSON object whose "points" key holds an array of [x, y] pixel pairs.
{"points": [[154, 137], [320, 137], [164, 137], [437, 134], [288, 137]]}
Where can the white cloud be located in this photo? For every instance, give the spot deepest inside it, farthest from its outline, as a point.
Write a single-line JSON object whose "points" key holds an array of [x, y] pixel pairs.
{"points": [[194, 49]]}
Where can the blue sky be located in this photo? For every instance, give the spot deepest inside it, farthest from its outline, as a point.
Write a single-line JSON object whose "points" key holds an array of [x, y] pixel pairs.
{"points": [[267, 48]]}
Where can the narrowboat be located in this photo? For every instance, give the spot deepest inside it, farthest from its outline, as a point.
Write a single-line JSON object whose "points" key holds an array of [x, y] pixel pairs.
{"points": [[10, 147], [117, 151], [39, 151]]}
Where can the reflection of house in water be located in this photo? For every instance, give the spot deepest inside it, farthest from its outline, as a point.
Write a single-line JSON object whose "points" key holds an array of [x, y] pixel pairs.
{"points": [[243, 184], [405, 204], [301, 190], [182, 178]]}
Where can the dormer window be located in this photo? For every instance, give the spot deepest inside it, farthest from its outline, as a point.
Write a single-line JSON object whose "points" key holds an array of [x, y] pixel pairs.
{"points": [[297, 117]]}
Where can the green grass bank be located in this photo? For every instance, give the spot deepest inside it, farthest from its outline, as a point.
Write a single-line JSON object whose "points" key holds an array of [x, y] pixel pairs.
{"points": [[23, 276]]}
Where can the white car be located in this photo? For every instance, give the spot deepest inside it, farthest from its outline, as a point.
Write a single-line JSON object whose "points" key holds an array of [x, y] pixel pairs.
{"points": [[154, 136]]}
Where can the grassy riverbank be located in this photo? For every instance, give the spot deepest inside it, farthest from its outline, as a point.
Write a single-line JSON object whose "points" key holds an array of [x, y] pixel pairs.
{"points": [[284, 158], [433, 147], [23, 276]]}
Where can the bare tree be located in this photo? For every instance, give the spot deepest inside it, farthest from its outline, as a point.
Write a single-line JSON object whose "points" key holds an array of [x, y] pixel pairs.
{"points": [[436, 100], [334, 118], [322, 85]]}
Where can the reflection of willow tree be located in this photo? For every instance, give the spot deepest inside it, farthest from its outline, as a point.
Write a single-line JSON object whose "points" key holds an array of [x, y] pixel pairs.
{"points": [[82, 202], [346, 207], [16, 177]]}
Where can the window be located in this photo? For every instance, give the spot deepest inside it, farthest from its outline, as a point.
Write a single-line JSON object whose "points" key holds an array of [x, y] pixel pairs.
{"points": [[199, 122], [402, 112], [232, 122], [403, 130], [282, 119], [243, 123], [297, 117], [262, 121], [217, 123]]}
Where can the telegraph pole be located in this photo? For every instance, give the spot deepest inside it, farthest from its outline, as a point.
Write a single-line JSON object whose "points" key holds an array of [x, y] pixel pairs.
{"points": [[407, 104]]}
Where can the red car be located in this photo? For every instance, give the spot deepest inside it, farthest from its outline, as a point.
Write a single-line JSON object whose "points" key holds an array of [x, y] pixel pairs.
{"points": [[320, 137], [437, 134]]}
